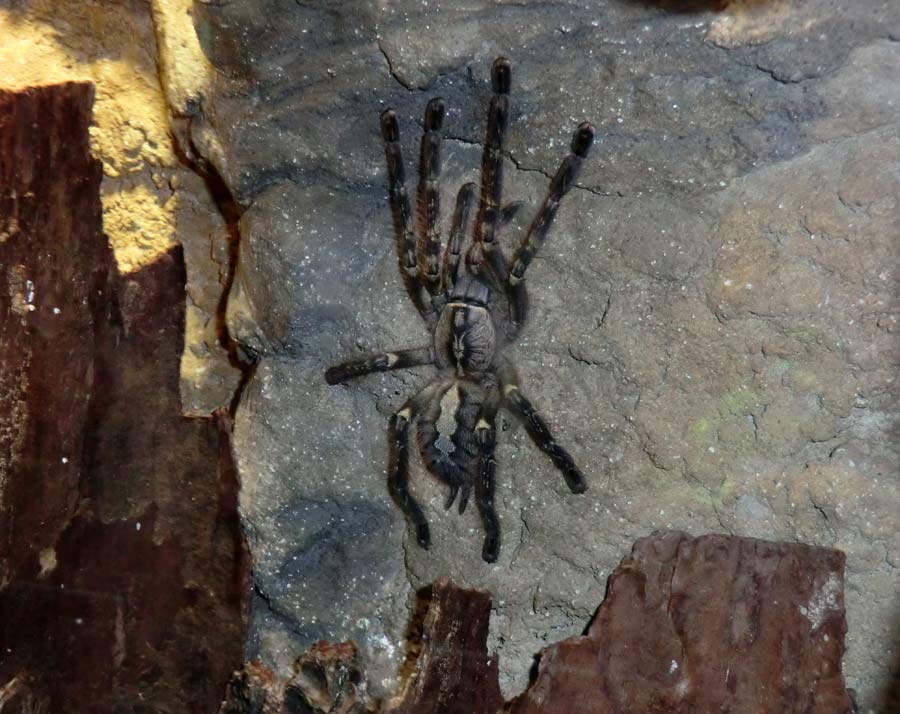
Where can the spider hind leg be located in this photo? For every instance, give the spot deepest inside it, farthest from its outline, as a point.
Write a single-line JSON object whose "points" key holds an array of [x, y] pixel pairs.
{"points": [[398, 477], [398, 469], [486, 438], [540, 434]]}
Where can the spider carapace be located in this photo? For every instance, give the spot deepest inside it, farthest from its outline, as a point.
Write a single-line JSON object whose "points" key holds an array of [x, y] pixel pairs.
{"points": [[474, 308]]}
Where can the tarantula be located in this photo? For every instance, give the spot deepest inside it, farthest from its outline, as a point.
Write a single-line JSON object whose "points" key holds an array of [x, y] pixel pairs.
{"points": [[473, 309]]}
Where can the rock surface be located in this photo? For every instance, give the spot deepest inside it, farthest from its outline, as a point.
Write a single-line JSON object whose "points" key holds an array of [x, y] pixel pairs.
{"points": [[714, 331], [123, 568]]}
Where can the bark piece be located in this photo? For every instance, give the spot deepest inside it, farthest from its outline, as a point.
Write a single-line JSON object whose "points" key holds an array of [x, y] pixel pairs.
{"points": [[709, 624], [253, 690], [454, 673], [123, 569], [328, 679]]}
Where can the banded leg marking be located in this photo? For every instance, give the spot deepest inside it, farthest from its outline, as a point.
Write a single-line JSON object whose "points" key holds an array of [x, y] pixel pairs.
{"points": [[398, 476], [559, 186], [428, 199], [402, 215], [489, 212], [457, 233], [540, 434], [401, 359], [398, 468], [485, 479]]}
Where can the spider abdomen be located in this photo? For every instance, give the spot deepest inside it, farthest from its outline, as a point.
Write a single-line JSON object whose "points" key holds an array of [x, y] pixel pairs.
{"points": [[447, 433]]}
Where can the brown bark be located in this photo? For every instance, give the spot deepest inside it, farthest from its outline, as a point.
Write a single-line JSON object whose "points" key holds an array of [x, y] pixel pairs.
{"points": [[123, 570], [709, 624], [453, 673]]}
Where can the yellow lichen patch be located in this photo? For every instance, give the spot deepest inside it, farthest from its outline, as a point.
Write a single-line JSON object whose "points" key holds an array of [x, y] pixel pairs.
{"points": [[48, 562], [184, 68], [17, 285], [113, 46], [146, 64], [13, 415], [753, 22], [140, 223]]}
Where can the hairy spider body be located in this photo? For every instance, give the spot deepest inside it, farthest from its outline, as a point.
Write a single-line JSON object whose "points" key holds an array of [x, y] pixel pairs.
{"points": [[474, 308], [465, 336]]}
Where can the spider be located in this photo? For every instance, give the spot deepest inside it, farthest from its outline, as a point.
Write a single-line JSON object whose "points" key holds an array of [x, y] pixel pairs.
{"points": [[473, 308]]}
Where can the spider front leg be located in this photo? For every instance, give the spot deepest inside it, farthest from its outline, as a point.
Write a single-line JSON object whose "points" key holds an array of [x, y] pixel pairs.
{"points": [[489, 216], [540, 226], [402, 216], [382, 362], [428, 200], [540, 433], [457, 233]]}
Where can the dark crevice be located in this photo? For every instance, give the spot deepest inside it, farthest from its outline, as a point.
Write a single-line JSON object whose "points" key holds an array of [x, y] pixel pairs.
{"points": [[780, 77], [606, 307], [284, 618], [535, 170], [241, 357], [402, 82]]}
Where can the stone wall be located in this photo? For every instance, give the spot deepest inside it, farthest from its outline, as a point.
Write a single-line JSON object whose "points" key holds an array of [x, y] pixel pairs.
{"points": [[714, 315]]}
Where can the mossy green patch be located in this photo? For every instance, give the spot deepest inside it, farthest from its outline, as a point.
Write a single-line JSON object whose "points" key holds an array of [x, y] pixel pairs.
{"points": [[739, 401], [803, 380], [703, 431]]}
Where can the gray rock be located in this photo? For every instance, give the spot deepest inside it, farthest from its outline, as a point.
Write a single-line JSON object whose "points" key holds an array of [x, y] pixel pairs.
{"points": [[714, 330]]}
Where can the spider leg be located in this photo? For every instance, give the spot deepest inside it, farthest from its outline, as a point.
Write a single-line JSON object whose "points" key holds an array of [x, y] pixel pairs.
{"points": [[398, 469], [457, 233], [510, 211], [381, 362], [486, 438], [489, 211], [539, 432], [400, 211], [537, 232], [428, 200]]}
